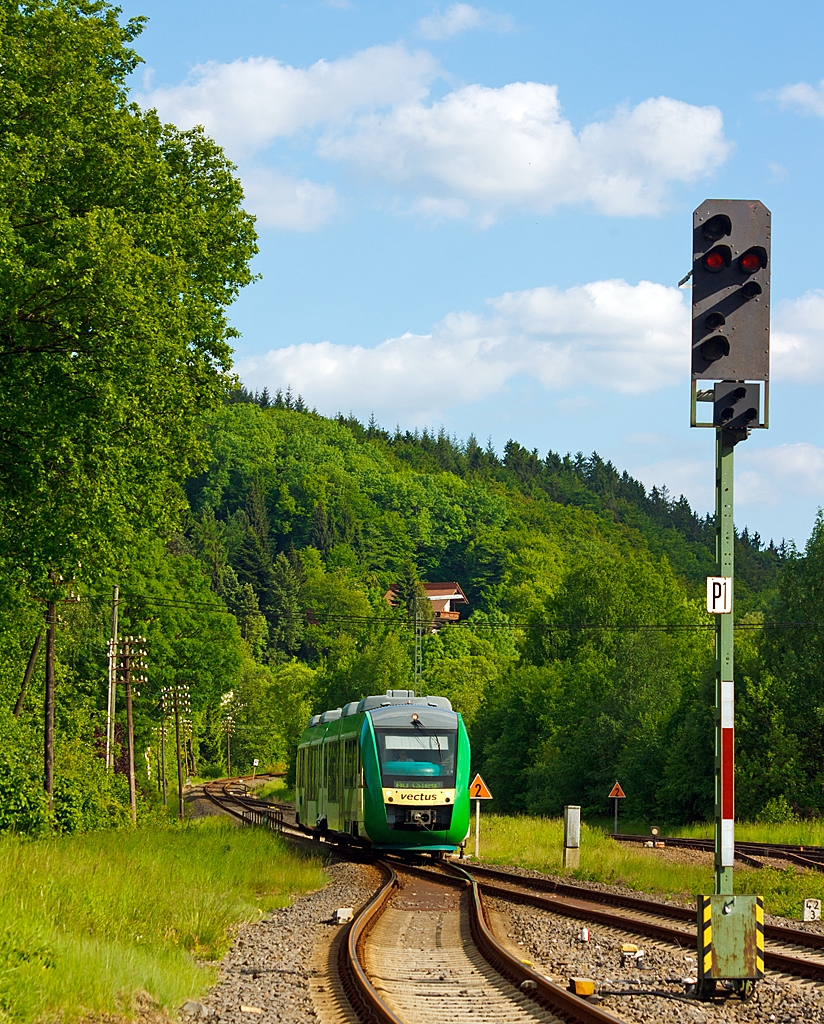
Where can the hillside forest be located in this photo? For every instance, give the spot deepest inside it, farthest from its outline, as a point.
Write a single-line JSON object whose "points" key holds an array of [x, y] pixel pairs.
{"points": [[252, 540]]}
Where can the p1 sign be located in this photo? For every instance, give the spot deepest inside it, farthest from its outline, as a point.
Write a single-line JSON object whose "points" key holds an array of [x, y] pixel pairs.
{"points": [[719, 595]]}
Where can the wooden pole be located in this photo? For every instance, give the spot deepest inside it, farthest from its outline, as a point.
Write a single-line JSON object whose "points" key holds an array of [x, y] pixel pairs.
{"points": [[163, 760], [112, 695], [18, 707], [180, 812], [130, 727], [48, 732]]}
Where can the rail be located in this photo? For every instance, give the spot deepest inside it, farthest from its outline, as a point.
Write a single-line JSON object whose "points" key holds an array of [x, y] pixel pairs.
{"points": [[359, 989], [562, 1003], [804, 856], [582, 908]]}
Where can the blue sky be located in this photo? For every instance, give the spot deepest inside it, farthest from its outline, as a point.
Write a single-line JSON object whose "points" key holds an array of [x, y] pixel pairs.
{"points": [[476, 217]]}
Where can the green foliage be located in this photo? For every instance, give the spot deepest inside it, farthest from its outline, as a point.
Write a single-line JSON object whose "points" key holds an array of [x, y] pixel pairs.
{"points": [[122, 241]]}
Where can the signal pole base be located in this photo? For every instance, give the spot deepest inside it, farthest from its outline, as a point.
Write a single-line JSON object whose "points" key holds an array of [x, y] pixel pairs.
{"points": [[730, 944]]}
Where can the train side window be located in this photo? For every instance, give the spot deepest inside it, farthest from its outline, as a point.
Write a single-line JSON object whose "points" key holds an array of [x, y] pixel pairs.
{"points": [[333, 767], [350, 764]]}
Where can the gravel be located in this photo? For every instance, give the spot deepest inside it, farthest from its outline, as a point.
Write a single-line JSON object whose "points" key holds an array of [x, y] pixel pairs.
{"points": [[265, 976], [553, 943]]}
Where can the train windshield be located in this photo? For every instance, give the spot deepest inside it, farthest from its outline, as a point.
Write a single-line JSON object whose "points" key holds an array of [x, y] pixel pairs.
{"points": [[417, 758]]}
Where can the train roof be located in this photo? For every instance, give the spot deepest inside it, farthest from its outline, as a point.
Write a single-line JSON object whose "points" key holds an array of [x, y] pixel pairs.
{"points": [[389, 699]]}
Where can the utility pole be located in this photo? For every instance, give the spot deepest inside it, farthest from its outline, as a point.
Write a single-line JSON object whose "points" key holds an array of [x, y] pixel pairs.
{"points": [[175, 700], [55, 580], [129, 658], [230, 728], [48, 731], [110, 703], [163, 760], [180, 812], [418, 640]]}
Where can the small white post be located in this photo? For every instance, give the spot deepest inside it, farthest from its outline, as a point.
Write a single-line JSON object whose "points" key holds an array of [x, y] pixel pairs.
{"points": [[477, 826], [572, 836]]}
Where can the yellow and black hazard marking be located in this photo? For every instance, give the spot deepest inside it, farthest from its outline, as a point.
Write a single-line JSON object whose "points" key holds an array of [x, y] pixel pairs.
{"points": [[730, 937], [759, 935], [705, 936]]}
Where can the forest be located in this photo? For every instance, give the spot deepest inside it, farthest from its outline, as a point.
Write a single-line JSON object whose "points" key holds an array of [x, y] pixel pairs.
{"points": [[252, 540]]}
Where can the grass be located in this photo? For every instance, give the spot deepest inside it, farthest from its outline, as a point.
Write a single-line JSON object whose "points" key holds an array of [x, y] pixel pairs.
{"points": [[274, 789], [801, 833], [88, 922], [538, 843]]}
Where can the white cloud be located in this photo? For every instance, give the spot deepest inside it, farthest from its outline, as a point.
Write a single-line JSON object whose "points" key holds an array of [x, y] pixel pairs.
{"points": [[797, 339], [771, 476], [807, 99], [608, 334], [512, 146], [246, 104], [461, 18], [680, 475], [473, 152], [282, 202]]}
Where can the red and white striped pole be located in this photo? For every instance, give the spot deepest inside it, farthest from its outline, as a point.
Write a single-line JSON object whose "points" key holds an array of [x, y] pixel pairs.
{"points": [[720, 603]]}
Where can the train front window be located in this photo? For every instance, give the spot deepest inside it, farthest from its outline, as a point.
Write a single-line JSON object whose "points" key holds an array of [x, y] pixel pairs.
{"points": [[417, 758]]}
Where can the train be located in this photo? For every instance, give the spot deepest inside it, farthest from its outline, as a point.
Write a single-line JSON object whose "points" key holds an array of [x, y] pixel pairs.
{"points": [[390, 772]]}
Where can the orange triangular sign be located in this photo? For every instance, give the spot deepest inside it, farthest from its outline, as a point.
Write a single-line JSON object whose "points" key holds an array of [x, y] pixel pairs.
{"points": [[617, 791], [479, 790]]}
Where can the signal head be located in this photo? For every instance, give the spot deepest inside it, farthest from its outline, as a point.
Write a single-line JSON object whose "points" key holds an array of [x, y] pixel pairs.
{"points": [[715, 348], [716, 227], [716, 259], [752, 260]]}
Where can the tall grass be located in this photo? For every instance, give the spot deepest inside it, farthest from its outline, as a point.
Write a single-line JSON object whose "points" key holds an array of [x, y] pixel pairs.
{"points": [[274, 789], [798, 833], [538, 843], [88, 921]]}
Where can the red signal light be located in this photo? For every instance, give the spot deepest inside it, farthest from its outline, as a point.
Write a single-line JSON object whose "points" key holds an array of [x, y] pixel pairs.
{"points": [[716, 259], [752, 260]]}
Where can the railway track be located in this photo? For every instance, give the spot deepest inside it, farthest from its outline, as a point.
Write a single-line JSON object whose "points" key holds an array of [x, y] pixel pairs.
{"points": [[422, 952], [421, 949], [749, 853], [791, 951], [427, 956], [231, 796]]}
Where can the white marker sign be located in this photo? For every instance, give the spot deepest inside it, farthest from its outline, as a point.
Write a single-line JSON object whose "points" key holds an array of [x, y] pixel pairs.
{"points": [[719, 595]]}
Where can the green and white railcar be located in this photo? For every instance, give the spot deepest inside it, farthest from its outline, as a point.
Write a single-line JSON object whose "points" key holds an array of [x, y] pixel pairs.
{"points": [[390, 771]]}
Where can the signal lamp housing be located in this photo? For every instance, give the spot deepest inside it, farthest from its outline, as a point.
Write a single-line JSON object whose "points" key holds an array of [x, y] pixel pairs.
{"points": [[717, 259], [736, 406], [715, 348], [750, 290], [717, 227], [753, 260]]}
